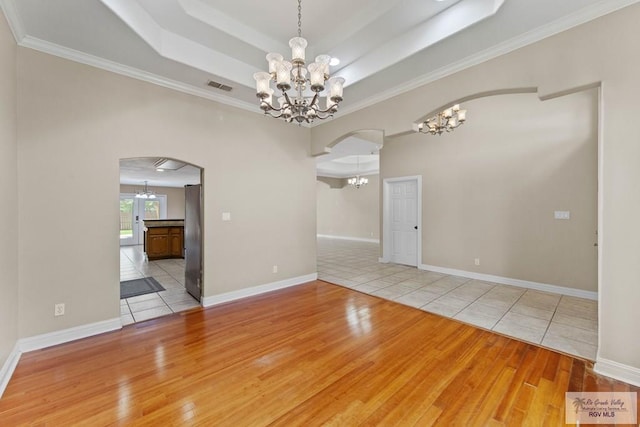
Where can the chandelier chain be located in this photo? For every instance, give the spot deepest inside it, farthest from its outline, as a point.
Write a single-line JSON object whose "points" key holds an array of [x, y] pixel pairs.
{"points": [[299, 18]]}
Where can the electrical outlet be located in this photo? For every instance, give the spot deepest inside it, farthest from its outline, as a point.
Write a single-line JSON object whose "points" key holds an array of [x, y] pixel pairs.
{"points": [[477, 261], [275, 268], [58, 309]]}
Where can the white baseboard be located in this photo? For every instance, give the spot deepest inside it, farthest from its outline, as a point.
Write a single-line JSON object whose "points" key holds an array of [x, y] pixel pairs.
{"points": [[9, 366], [59, 337], [383, 260], [257, 290], [616, 370], [513, 282], [354, 239], [50, 339]]}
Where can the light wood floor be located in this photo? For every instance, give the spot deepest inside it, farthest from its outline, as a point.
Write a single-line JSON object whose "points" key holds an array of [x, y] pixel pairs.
{"points": [[309, 355]]}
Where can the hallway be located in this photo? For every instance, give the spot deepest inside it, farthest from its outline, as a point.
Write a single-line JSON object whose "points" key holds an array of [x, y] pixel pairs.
{"points": [[560, 322]]}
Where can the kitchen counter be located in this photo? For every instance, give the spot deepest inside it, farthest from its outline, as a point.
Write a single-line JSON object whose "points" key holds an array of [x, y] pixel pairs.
{"points": [[148, 223]]}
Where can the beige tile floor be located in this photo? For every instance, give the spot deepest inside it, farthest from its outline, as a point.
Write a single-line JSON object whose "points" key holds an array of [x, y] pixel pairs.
{"points": [[564, 323], [168, 272]]}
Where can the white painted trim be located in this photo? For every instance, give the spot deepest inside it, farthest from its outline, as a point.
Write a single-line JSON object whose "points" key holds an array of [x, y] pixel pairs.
{"points": [[386, 216], [114, 67], [383, 260], [563, 24], [600, 230], [257, 290], [9, 366], [513, 282], [50, 339], [355, 239], [60, 337], [619, 371]]}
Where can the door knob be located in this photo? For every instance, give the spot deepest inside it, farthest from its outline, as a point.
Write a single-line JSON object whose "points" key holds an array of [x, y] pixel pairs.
{"points": [[415, 227]]}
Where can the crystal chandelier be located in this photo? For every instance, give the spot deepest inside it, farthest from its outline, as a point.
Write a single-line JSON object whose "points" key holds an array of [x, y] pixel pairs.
{"points": [[294, 75], [358, 181], [146, 193], [445, 121]]}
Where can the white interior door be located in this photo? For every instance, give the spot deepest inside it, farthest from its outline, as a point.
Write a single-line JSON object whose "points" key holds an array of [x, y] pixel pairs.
{"points": [[133, 212], [402, 234], [149, 209]]}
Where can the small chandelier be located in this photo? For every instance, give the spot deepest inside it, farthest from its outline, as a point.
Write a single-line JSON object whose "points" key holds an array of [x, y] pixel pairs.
{"points": [[287, 75], [358, 181], [146, 193], [445, 121]]}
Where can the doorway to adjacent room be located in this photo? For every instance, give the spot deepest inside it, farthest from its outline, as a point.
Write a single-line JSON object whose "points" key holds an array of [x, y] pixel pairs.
{"points": [[150, 288]]}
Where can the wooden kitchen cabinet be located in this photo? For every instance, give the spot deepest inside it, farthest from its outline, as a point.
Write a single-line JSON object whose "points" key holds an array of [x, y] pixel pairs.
{"points": [[176, 241], [164, 242]]}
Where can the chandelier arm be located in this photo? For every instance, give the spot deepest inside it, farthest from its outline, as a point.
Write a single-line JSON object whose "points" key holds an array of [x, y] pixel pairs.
{"points": [[286, 97], [275, 116], [324, 117], [314, 100]]}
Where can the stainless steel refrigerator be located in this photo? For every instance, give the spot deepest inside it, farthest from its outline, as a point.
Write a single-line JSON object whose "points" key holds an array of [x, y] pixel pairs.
{"points": [[193, 239]]}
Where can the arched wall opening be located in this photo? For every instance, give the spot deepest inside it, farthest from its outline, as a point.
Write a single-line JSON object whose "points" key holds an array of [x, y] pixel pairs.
{"points": [[161, 237]]}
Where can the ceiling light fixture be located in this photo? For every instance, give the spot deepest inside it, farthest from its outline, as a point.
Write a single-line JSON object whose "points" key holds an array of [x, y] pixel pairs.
{"points": [[146, 193], [358, 181], [444, 121], [294, 75]]}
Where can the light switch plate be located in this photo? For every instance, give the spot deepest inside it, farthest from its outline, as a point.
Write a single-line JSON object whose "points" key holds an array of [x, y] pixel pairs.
{"points": [[226, 216], [562, 215]]}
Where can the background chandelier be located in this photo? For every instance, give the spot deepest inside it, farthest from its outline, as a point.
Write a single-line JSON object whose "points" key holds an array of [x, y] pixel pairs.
{"points": [[445, 121], [146, 193], [288, 75], [358, 181]]}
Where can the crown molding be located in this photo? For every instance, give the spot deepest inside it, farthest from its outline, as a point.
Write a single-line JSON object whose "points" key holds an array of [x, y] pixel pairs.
{"points": [[558, 26], [104, 64], [13, 18], [585, 15]]}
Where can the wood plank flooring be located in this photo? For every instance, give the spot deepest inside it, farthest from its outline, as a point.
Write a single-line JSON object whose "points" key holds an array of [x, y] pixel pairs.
{"points": [[315, 354]]}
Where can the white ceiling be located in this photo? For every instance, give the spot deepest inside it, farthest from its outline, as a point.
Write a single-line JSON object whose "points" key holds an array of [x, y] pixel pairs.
{"points": [[137, 171], [350, 157], [386, 47]]}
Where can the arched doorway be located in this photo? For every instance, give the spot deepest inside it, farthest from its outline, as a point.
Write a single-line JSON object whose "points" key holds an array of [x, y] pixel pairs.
{"points": [[160, 236]]}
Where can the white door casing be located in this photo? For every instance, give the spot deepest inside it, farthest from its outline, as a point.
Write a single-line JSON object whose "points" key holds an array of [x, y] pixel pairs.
{"points": [[402, 214]]}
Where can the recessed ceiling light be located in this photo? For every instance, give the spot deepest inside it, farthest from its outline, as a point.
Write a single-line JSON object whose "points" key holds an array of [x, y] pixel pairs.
{"points": [[334, 61], [159, 170]]}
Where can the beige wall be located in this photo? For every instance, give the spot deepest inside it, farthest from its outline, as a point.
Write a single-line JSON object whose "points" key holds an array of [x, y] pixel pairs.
{"points": [[490, 188], [349, 212], [8, 194], [175, 198], [600, 52], [87, 121]]}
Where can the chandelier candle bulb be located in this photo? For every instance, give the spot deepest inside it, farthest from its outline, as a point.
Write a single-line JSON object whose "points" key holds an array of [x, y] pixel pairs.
{"points": [[262, 83], [283, 71], [336, 85], [462, 115], [325, 61], [316, 76], [298, 46], [273, 59]]}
